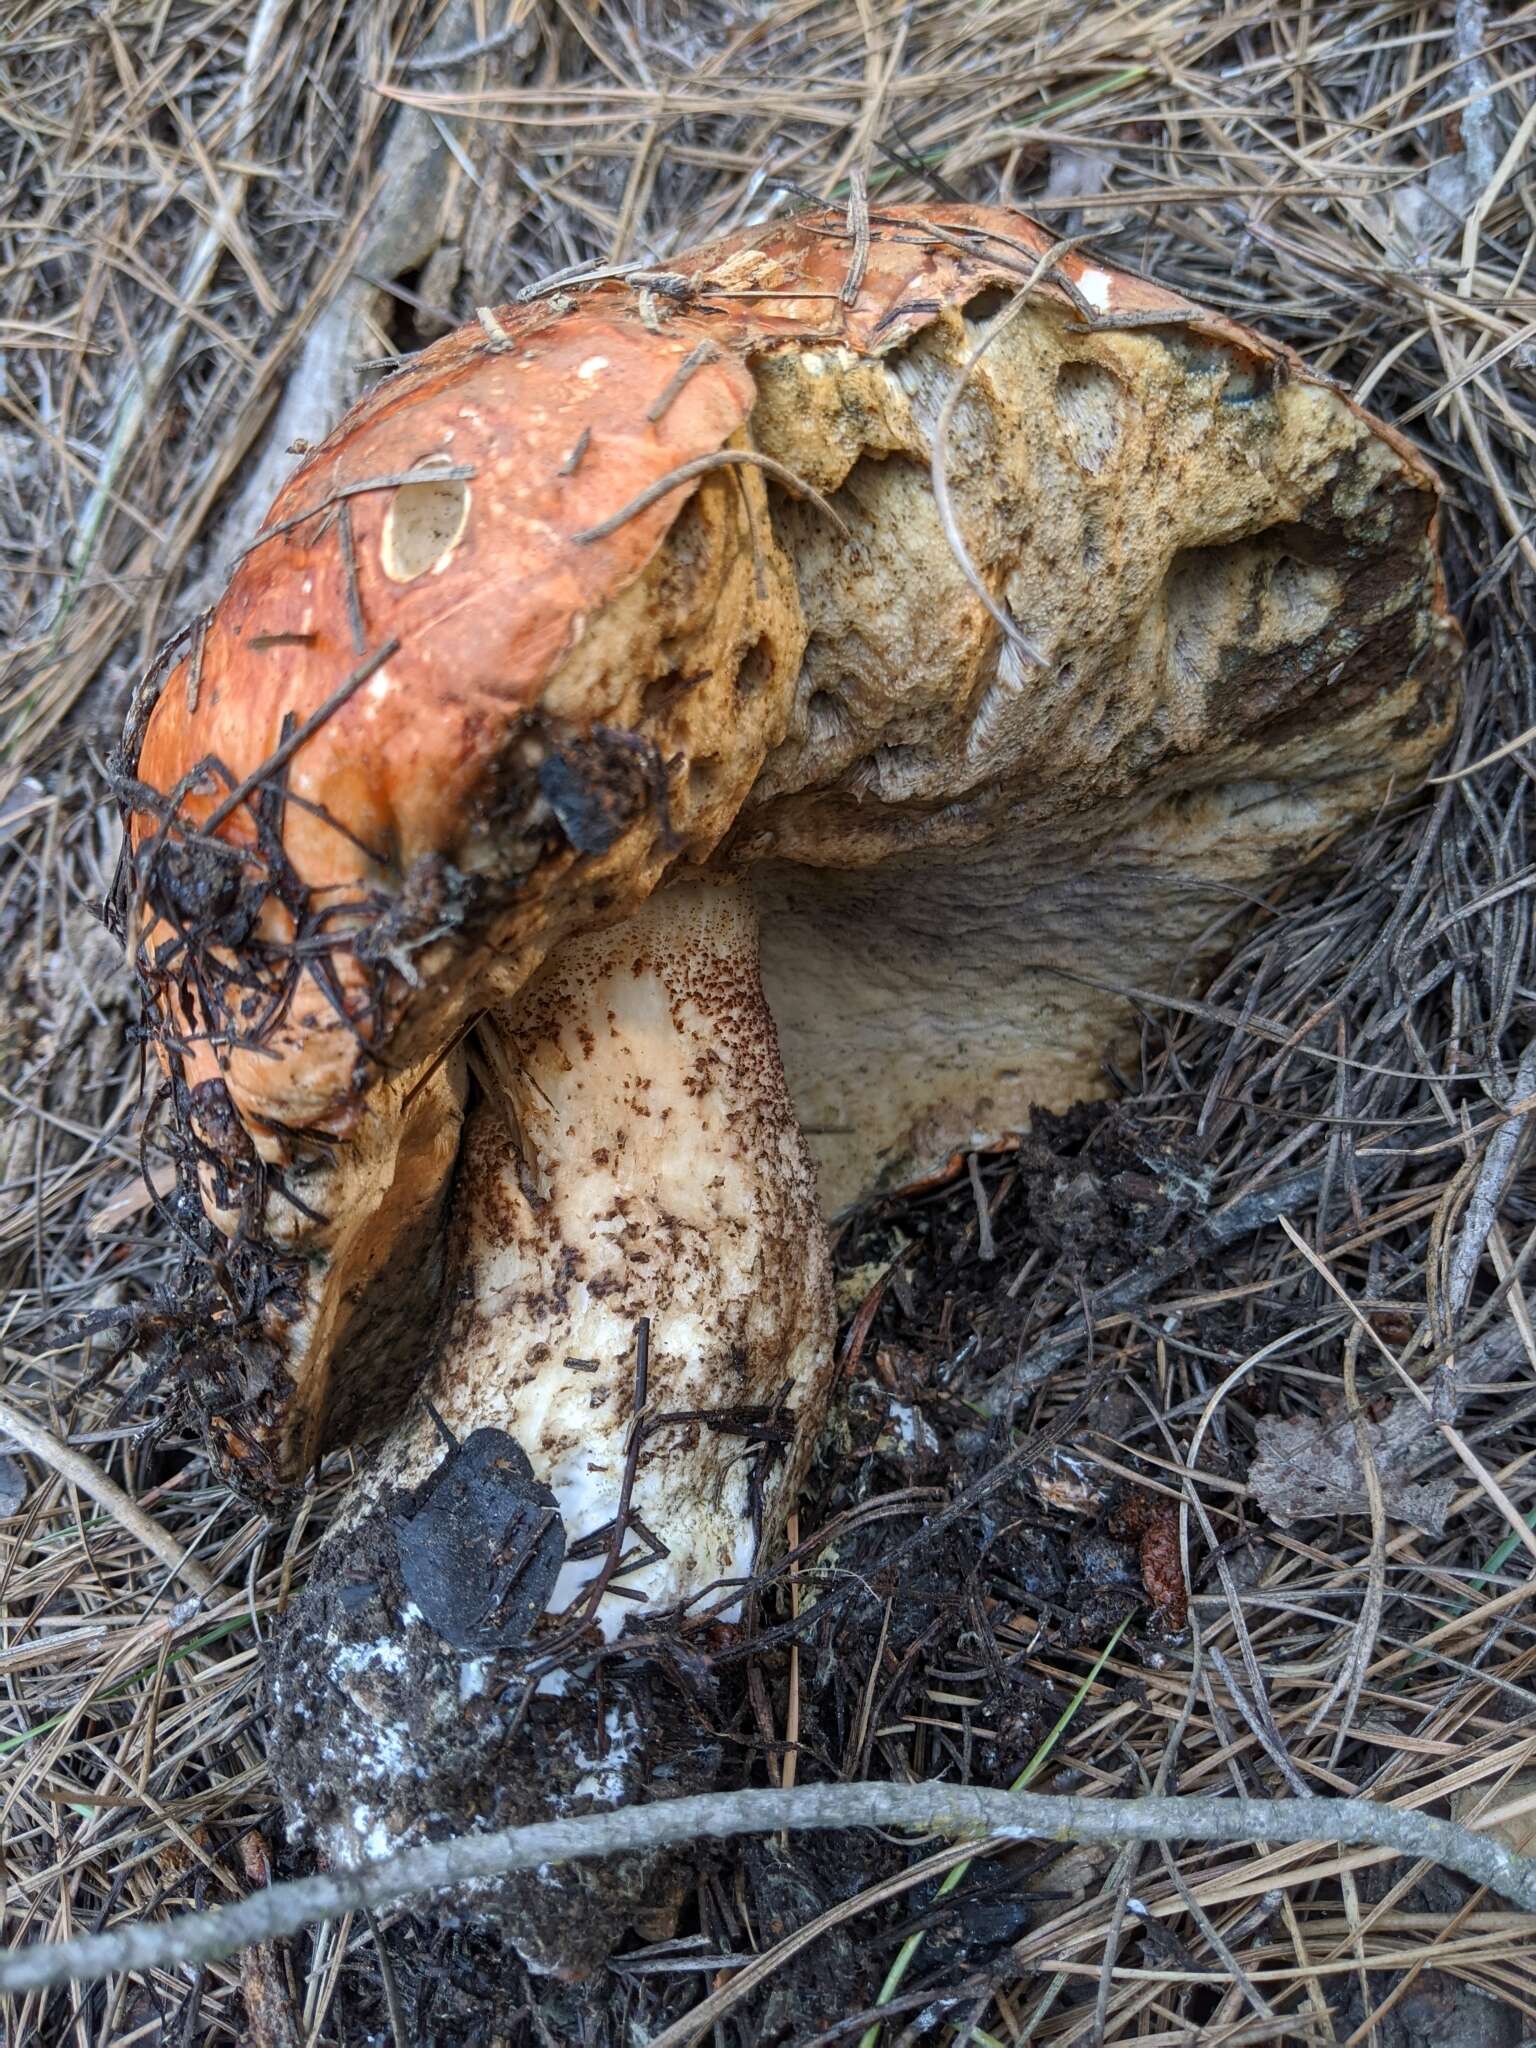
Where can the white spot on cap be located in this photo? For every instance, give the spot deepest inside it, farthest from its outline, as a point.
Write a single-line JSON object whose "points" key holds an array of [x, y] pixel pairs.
{"points": [[382, 686], [425, 522], [1094, 286], [594, 366]]}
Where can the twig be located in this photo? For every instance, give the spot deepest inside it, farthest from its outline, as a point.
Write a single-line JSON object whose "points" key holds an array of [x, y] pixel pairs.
{"points": [[986, 1244], [285, 750], [858, 234], [700, 466], [703, 352], [1238, 1220], [348, 545], [483, 46], [588, 271], [939, 473], [83, 1472], [1492, 1185], [962, 1810]]}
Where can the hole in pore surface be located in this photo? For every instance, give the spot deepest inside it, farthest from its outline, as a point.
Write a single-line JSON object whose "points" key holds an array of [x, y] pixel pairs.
{"points": [[1248, 624], [824, 718], [424, 523], [1088, 400], [1243, 376], [756, 668], [987, 304], [663, 691], [895, 773]]}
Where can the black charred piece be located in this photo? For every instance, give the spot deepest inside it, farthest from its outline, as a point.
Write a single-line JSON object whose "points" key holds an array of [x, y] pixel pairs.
{"points": [[481, 1544]]}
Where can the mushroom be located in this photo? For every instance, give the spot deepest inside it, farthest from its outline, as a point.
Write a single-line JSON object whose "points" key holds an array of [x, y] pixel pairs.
{"points": [[982, 625]]}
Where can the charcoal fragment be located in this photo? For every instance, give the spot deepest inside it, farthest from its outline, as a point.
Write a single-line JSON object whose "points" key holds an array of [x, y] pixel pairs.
{"points": [[481, 1544]]}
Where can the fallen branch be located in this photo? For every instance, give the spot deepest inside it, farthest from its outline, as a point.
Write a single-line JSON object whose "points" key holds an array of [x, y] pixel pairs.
{"points": [[1238, 1220], [415, 203], [961, 1810]]}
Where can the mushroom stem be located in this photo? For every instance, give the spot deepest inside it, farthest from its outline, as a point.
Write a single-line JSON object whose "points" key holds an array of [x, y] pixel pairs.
{"points": [[635, 1159], [633, 1164]]}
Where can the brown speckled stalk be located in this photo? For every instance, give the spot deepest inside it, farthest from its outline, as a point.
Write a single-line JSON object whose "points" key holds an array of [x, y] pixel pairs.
{"points": [[636, 1155]]}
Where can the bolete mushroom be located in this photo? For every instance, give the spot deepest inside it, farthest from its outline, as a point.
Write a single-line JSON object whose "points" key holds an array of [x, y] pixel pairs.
{"points": [[982, 623]]}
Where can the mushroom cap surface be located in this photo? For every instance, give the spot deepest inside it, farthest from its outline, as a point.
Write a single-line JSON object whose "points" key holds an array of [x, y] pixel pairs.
{"points": [[652, 571]]}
